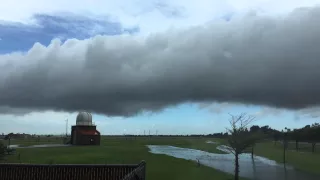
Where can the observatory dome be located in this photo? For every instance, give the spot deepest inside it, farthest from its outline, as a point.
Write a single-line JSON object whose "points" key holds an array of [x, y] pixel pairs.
{"points": [[84, 119]]}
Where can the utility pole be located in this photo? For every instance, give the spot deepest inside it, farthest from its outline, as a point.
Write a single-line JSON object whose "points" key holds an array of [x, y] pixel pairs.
{"points": [[66, 127]]}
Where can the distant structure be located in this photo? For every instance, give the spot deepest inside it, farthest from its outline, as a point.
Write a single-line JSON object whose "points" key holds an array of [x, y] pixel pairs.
{"points": [[84, 132], [17, 135]]}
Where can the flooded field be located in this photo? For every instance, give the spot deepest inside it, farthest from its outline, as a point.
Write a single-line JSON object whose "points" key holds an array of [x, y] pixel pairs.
{"points": [[259, 168]]}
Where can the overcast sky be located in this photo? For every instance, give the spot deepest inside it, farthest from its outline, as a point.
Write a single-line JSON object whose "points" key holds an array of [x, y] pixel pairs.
{"points": [[176, 67]]}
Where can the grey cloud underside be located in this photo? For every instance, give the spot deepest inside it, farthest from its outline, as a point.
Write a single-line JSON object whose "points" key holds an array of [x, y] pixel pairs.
{"points": [[15, 111], [252, 60]]}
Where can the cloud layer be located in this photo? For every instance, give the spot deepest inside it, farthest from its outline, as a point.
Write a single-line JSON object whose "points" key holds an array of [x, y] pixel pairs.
{"points": [[252, 59]]}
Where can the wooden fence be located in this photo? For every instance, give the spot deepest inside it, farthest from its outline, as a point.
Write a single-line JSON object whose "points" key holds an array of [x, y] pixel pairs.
{"points": [[138, 173], [72, 172]]}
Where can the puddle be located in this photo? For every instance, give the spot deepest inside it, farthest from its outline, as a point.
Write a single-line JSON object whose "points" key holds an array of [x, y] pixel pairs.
{"points": [[13, 146], [259, 168], [38, 146], [212, 142]]}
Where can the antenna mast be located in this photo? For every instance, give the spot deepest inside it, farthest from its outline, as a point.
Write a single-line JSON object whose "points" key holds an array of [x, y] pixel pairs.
{"points": [[66, 127]]}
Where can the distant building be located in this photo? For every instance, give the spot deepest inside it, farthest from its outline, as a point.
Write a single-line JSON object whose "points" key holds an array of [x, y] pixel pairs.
{"points": [[84, 132], [17, 136]]}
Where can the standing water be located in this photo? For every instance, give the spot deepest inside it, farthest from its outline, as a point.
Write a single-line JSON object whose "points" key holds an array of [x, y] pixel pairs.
{"points": [[259, 168]]}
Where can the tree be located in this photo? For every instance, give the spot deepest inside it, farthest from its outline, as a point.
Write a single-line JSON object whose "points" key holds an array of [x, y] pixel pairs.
{"points": [[256, 137], [265, 129], [2, 151], [313, 134], [8, 137], [276, 137], [254, 128], [284, 144], [296, 135], [240, 138]]}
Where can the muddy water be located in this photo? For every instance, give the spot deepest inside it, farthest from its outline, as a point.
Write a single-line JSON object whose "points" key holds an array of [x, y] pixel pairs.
{"points": [[259, 168]]}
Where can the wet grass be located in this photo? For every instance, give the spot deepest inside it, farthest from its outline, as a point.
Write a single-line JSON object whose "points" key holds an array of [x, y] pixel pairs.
{"points": [[125, 150], [132, 150], [36, 141], [185, 142], [303, 160]]}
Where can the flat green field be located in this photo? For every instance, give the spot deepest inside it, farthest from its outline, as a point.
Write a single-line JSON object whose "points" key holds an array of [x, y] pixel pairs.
{"points": [[115, 150], [125, 150], [303, 160]]}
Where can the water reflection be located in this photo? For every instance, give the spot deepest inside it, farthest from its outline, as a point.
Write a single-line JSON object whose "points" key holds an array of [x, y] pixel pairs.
{"points": [[259, 168], [254, 174]]}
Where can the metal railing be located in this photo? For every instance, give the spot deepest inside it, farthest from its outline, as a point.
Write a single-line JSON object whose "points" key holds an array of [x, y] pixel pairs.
{"points": [[73, 171]]}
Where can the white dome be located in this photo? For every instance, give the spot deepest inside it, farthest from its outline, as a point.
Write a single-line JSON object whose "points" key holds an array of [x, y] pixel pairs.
{"points": [[84, 118]]}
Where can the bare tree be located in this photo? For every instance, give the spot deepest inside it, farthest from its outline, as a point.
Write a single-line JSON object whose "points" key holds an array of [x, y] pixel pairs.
{"points": [[240, 138]]}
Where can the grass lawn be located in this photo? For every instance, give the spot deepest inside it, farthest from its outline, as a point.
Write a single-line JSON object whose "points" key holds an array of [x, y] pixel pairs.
{"points": [[125, 150], [303, 160], [133, 150]]}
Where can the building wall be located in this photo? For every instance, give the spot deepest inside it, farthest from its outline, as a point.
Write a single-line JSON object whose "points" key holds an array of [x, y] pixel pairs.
{"points": [[86, 139], [77, 138]]}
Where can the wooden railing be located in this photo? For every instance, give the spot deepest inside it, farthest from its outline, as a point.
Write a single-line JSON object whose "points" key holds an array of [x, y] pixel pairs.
{"points": [[72, 172], [138, 173]]}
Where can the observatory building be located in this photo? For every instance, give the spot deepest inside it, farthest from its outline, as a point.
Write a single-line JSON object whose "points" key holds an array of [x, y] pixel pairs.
{"points": [[84, 132]]}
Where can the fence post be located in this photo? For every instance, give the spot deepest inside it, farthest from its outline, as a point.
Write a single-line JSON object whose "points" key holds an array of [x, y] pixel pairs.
{"points": [[143, 163]]}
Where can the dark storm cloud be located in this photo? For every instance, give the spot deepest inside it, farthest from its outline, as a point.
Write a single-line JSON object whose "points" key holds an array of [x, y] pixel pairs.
{"points": [[15, 111], [252, 60]]}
